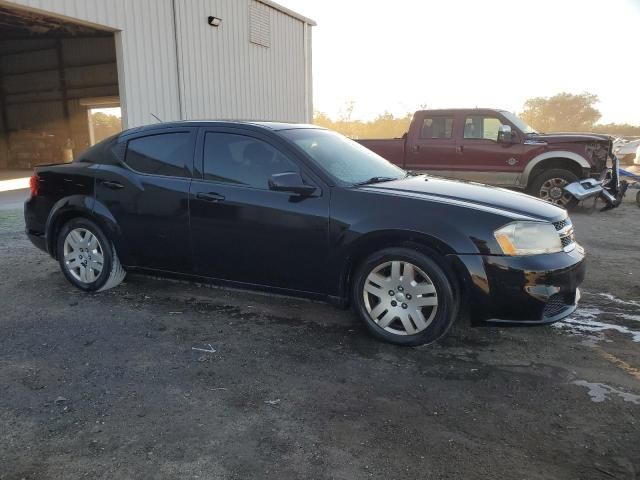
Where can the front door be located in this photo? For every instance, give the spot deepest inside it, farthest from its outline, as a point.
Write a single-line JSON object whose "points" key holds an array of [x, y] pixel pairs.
{"points": [[244, 232], [482, 158]]}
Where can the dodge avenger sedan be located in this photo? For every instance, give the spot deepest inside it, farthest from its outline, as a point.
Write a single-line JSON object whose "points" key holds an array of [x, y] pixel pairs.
{"points": [[301, 210]]}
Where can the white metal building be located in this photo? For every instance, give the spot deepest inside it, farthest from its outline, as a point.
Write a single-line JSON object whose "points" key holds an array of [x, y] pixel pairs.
{"points": [[172, 59]]}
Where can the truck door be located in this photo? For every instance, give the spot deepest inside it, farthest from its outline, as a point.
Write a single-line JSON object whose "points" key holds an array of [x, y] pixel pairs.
{"points": [[481, 158], [431, 145]]}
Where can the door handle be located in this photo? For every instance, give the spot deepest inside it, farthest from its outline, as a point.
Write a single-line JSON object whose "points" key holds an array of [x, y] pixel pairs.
{"points": [[416, 148], [113, 185], [210, 197], [460, 148]]}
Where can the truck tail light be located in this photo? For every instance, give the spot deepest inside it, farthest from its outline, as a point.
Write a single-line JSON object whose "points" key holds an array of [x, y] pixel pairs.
{"points": [[34, 184]]}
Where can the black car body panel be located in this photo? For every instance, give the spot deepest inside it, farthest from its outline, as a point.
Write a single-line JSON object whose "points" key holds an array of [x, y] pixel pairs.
{"points": [[255, 236], [163, 204], [190, 224]]}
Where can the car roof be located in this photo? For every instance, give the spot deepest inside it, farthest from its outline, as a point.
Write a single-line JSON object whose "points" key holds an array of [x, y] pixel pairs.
{"points": [[251, 124], [455, 110]]}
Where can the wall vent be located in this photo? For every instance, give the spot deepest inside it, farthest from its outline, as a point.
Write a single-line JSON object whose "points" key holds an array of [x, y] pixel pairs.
{"points": [[259, 24]]}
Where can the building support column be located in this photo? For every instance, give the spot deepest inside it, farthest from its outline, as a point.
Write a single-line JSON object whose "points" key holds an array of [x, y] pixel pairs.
{"points": [[62, 78], [4, 116]]}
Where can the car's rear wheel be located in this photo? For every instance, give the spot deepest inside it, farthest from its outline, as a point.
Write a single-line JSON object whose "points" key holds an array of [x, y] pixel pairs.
{"points": [[549, 186], [87, 257], [404, 297]]}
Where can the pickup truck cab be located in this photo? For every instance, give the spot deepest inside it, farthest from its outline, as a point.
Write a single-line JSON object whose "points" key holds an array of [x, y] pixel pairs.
{"points": [[497, 148]]}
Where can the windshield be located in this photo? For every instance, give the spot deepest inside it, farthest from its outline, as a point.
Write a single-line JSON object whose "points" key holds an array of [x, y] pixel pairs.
{"points": [[344, 159], [518, 122]]}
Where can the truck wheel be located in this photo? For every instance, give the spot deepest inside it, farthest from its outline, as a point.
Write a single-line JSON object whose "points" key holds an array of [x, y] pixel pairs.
{"points": [[549, 186], [404, 297], [87, 257]]}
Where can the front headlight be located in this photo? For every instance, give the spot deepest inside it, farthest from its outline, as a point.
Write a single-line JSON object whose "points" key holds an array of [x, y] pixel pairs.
{"points": [[528, 238]]}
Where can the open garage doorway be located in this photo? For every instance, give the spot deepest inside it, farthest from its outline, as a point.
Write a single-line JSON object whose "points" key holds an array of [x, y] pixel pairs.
{"points": [[53, 74], [104, 116]]}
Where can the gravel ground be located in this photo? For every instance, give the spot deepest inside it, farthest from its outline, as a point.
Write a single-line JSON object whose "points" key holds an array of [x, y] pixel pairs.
{"points": [[109, 385]]}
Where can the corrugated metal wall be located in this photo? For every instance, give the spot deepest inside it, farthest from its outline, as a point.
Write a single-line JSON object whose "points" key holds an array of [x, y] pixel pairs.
{"points": [[225, 75], [222, 74], [145, 46]]}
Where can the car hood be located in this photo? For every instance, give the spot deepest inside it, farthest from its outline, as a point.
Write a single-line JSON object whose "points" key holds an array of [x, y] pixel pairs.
{"points": [[473, 195], [569, 137]]}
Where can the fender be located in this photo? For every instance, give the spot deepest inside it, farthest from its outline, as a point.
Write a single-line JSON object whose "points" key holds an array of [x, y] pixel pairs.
{"points": [[112, 230], [579, 159], [347, 251], [77, 204], [82, 205]]}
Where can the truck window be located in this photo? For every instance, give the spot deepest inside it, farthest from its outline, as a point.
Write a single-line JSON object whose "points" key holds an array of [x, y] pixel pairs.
{"points": [[479, 126], [437, 127]]}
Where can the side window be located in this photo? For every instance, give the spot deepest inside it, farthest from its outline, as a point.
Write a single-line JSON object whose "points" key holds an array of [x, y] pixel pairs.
{"points": [[437, 127], [481, 127], [163, 154], [242, 160]]}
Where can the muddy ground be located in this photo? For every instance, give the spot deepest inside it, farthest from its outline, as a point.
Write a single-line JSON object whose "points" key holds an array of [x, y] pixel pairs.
{"points": [[109, 386]]}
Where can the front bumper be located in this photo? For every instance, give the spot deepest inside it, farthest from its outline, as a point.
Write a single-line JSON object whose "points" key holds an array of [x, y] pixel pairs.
{"points": [[535, 289], [608, 187]]}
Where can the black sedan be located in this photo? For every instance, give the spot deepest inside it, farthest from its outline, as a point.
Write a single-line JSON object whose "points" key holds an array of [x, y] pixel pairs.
{"points": [[301, 210]]}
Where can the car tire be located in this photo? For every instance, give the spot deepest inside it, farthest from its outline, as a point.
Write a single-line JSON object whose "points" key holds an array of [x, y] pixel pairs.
{"points": [[549, 186], [404, 297], [87, 257]]}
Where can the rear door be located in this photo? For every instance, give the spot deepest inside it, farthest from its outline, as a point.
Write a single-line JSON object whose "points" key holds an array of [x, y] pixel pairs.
{"points": [[481, 158], [431, 146], [244, 232], [147, 194]]}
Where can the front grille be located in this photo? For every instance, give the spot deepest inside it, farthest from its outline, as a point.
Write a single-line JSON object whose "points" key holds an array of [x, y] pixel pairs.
{"points": [[555, 305], [567, 240], [565, 230], [562, 223]]}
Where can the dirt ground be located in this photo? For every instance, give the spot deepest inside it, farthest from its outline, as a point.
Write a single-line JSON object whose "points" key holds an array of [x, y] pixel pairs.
{"points": [[109, 385]]}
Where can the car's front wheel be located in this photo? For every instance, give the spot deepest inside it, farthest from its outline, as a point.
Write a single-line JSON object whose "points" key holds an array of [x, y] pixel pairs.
{"points": [[404, 297], [87, 257]]}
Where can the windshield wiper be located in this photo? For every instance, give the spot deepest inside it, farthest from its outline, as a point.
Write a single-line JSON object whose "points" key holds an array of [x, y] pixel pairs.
{"points": [[377, 180]]}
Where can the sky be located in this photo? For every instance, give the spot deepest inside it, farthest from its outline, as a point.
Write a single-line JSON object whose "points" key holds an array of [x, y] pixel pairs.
{"points": [[401, 55]]}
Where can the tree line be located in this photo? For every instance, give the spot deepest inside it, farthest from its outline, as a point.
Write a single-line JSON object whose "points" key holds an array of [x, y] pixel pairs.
{"points": [[564, 112]]}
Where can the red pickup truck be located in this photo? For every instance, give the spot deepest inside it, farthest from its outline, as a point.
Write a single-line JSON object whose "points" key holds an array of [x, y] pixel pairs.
{"points": [[498, 148]]}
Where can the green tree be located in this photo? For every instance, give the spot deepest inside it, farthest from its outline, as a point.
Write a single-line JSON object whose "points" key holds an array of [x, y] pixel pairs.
{"points": [[618, 129], [105, 125], [564, 112], [385, 125]]}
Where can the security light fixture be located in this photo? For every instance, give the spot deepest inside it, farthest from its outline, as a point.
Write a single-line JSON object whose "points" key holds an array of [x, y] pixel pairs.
{"points": [[214, 21]]}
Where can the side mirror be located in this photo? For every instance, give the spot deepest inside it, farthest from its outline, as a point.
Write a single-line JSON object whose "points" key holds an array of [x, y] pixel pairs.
{"points": [[504, 134], [290, 182]]}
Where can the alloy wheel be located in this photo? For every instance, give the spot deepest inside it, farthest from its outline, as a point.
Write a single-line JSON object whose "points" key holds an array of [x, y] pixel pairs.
{"points": [[400, 298], [83, 255], [553, 191]]}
